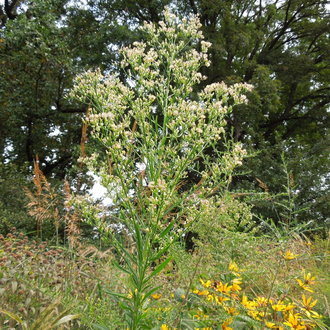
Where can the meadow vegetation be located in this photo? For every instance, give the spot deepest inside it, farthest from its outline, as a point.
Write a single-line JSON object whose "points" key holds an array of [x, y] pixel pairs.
{"points": [[238, 283], [176, 249]]}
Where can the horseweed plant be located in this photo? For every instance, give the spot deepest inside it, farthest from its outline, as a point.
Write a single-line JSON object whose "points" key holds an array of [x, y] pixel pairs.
{"points": [[150, 130]]}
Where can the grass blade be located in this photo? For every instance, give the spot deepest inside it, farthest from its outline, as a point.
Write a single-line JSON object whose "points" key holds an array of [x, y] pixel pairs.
{"points": [[12, 316]]}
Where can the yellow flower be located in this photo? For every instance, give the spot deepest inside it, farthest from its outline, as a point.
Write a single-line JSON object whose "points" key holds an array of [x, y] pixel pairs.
{"points": [[225, 324], [234, 268], [249, 304], [308, 303], [235, 286], [271, 325], [234, 296], [282, 307], [201, 293], [231, 310], [263, 314], [200, 315], [304, 286], [294, 322], [262, 301], [210, 297], [156, 296], [279, 307], [290, 307], [257, 315], [308, 280], [254, 314], [312, 314], [316, 315], [206, 284], [276, 327], [164, 327], [288, 255], [223, 288], [220, 300]]}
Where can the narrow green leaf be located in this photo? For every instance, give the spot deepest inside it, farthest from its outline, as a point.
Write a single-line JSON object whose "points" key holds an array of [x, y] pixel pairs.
{"points": [[119, 295], [160, 267], [125, 306], [138, 242], [100, 327], [12, 316], [116, 264], [160, 253], [121, 248], [149, 293], [66, 319], [167, 229], [129, 271]]}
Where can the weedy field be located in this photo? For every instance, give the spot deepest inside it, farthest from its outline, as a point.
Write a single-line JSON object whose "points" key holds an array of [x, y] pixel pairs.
{"points": [[243, 283], [182, 243]]}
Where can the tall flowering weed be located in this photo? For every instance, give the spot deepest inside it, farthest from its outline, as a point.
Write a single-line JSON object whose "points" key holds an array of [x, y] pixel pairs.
{"points": [[151, 129]]}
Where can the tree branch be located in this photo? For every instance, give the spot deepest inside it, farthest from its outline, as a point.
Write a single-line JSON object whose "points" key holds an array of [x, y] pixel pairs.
{"points": [[63, 162], [3, 17], [10, 8], [193, 6], [59, 108], [313, 96]]}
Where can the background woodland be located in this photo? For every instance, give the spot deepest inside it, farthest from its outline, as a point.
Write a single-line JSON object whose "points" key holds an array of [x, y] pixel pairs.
{"points": [[269, 217], [281, 47]]}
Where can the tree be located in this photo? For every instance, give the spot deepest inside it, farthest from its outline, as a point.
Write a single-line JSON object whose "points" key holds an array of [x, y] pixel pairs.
{"points": [[43, 45], [37, 67]]}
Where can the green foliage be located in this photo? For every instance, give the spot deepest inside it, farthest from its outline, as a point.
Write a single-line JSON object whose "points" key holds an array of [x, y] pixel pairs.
{"points": [[40, 283], [13, 200], [36, 66], [34, 275], [168, 170]]}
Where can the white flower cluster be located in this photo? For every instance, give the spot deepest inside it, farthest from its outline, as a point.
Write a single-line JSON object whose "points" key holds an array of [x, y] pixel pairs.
{"points": [[152, 116]]}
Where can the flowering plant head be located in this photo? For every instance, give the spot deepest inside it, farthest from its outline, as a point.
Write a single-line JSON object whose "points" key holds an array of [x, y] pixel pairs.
{"points": [[152, 128]]}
